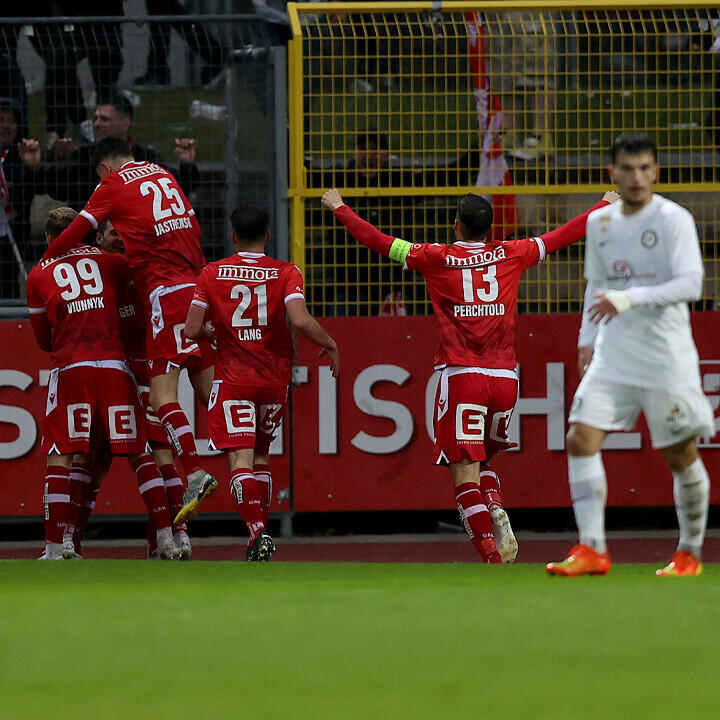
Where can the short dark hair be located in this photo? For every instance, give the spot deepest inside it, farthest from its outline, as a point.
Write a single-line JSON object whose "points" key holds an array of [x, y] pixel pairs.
{"points": [[118, 102], [103, 226], [110, 147], [380, 140], [633, 144], [475, 215], [249, 223], [7, 105], [59, 219]]}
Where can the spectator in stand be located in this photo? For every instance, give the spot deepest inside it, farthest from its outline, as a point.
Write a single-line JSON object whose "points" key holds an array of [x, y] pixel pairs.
{"points": [[63, 46], [21, 177], [360, 283], [198, 39], [75, 177]]}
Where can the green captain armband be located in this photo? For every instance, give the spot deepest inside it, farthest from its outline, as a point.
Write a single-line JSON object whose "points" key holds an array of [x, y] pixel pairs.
{"points": [[399, 250]]}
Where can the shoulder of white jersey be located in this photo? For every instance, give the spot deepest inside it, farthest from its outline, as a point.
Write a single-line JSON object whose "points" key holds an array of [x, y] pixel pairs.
{"points": [[600, 212], [670, 207]]}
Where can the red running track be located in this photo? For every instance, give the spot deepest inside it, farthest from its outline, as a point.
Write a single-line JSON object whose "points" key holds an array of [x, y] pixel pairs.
{"points": [[443, 550]]}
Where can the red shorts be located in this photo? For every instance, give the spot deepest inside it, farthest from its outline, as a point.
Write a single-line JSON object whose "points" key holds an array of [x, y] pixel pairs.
{"points": [[242, 417], [155, 431], [167, 345], [473, 407], [93, 396]]}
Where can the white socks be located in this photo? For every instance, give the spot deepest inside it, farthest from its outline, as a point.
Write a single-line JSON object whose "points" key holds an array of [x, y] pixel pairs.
{"points": [[691, 489], [588, 489]]}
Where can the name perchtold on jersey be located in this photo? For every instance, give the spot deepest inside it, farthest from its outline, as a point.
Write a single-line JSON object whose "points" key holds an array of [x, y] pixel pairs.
{"points": [[479, 310]]}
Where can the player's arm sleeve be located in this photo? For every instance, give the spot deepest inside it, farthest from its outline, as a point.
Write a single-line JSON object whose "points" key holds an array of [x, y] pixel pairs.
{"points": [[370, 236], [588, 329], [201, 298], [38, 317], [294, 287], [568, 233], [88, 219]]}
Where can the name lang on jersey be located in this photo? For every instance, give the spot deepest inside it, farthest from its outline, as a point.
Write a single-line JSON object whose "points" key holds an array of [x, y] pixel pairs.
{"points": [[478, 258], [93, 303], [249, 274], [173, 224], [485, 310], [250, 334]]}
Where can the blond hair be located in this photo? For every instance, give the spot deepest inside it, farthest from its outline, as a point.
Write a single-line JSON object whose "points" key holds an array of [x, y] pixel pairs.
{"points": [[58, 220]]}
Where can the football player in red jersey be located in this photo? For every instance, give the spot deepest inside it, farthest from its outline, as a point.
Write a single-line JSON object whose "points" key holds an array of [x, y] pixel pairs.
{"points": [[473, 286], [250, 298], [133, 323], [162, 247], [73, 306]]}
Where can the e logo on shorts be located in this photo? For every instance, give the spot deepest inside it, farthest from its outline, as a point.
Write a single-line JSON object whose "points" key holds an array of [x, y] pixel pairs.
{"points": [[470, 421], [239, 416], [122, 422]]}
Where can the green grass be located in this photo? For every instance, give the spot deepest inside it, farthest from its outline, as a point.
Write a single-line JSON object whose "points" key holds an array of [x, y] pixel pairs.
{"points": [[128, 639]]}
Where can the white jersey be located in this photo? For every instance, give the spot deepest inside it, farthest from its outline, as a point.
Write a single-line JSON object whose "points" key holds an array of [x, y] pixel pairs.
{"points": [[648, 346]]}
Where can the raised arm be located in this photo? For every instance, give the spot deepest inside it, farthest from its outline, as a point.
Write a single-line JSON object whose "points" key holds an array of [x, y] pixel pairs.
{"points": [[574, 229], [361, 230]]}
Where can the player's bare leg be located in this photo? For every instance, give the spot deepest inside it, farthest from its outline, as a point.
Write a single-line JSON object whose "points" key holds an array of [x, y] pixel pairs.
{"points": [[588, 489], [249, 499], [202, 383], [474, 514], [201, 484], [504, 537], [152, 491], [691, 489], [59, 524]]}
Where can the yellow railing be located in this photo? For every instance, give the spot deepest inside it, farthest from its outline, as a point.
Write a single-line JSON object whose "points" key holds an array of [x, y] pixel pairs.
{"points": [[405, 106]]}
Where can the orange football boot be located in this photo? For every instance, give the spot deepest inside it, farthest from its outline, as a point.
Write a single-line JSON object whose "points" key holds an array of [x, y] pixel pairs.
{"points": [[681, 564], [582, 560]]}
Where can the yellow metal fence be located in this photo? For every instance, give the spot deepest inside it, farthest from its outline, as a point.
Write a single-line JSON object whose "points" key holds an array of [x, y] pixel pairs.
{"points": [[405, 106]]}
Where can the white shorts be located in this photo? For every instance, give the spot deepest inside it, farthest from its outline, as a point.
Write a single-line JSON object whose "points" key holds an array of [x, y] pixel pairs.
{"points": [[671, 415]]}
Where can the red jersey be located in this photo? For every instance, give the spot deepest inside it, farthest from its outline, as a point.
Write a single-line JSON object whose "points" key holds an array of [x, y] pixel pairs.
{"points": [[133, 321], [246, 295], [473, 288], [155, 220], [76, 295]]}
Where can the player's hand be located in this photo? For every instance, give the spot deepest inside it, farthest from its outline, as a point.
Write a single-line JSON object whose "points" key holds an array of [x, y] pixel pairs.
{"points": [[611, 196], [334, 356], [602, 309], [585, 354], [332, 200], [30, 152], [63, 148], [185, 150]]}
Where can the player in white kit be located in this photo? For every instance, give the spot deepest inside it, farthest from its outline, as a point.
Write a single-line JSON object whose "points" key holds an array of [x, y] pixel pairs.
{"points": [[636, 354]]}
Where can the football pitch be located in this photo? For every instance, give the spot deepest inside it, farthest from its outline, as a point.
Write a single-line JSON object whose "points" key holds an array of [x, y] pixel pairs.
{"points": [[135, 640]]}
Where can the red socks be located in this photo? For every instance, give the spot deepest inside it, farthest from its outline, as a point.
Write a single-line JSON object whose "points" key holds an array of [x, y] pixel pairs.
{"points": [[248, 496], [476, 519], [152, 490], [264, 477], [180, 436], [490, 488], [57, 502], [174, 489]]}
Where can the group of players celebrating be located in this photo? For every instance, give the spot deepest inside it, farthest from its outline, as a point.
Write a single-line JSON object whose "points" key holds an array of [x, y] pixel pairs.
{"points": [[124, 317]]}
